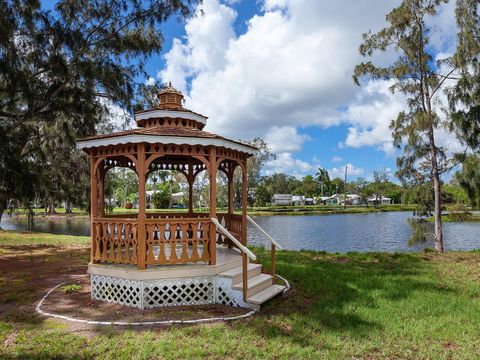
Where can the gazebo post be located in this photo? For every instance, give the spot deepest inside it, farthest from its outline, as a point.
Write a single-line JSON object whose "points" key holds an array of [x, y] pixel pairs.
{"points": [[93, 204], [244, 203], [213, 204], [244, 230], [190, 180], [140, 167], [101, 190], [231, 207]]}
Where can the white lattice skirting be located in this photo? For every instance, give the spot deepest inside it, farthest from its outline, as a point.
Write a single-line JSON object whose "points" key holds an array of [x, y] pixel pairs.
{"points": [[157, 293]]}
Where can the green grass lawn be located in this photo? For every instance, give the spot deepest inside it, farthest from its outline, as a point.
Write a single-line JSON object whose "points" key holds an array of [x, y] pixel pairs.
{"points": [[14, 238], [350, 306]]}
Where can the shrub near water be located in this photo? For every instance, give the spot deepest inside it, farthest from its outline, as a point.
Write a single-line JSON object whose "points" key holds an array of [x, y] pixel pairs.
{"points": [[459, 212]]}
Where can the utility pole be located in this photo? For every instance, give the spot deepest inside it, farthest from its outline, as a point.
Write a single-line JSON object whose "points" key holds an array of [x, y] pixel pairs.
{"points": [[345, 189]]}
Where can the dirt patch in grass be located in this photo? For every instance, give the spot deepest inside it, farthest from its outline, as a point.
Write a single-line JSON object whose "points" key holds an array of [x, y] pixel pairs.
{"points": [[28, 272], [79, 305]]}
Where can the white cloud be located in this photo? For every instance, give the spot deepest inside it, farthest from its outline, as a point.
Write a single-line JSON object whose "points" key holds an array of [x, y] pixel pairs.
{"points": [[285, 163], [285, 139], [150, 81], [371, 114], [291, 69], [117, 116], [340, 172], [444, 28], [336, 159]]}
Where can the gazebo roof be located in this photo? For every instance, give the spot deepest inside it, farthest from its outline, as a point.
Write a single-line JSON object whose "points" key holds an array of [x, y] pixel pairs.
{"points": [[169, 123]]}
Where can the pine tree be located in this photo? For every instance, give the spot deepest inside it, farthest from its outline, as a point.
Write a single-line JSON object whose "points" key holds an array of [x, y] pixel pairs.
{"points": [[414, 73], [465, 96]]}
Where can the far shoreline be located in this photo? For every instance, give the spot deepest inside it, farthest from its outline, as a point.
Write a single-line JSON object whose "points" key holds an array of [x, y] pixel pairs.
{"points": [[252, 211]]}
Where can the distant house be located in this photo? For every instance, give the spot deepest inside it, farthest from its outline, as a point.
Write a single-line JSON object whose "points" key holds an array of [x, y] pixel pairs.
{"points": [[330, 200], [282, 199], [309, 201], [298, 200], [322, 200], [354, 199], [382, 200], [338, 199]]}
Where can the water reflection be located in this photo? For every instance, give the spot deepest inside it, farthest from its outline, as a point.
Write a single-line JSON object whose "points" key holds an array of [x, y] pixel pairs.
{"points": [[421, 231], [79, 226], [389, 231]]}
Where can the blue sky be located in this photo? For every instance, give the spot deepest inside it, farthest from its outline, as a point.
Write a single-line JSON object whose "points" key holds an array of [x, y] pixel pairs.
{"points": [[281, 70]]}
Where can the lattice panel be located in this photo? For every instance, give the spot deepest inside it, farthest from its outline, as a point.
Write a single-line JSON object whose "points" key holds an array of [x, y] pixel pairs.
{"points": [[118, 291], [158, 293], [194, 291], [226, 295], [224, 298]]}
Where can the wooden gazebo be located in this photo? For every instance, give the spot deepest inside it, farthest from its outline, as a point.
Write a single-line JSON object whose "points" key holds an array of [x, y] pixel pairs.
{"points": [[154, 259]]}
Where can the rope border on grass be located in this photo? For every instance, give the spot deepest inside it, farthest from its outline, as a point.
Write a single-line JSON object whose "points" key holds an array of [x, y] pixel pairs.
{"points": [[39, 310]]}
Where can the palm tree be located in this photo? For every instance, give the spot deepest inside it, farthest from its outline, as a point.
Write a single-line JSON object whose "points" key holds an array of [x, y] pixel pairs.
{"points": [[323, 178]]}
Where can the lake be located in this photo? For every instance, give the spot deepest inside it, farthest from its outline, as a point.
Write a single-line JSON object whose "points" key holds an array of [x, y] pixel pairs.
{"points": [[387, 231]]}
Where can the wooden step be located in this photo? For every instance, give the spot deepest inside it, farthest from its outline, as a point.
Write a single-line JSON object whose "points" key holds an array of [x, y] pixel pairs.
{"points": [[255, 284], [236, 273], [266, 294]]}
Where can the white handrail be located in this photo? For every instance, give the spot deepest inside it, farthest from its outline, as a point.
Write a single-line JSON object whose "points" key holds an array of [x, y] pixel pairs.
{"points": [[231, 237], [264, 232]]}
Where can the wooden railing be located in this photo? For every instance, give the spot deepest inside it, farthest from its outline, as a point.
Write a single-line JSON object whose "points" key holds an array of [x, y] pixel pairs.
{"points": [[246, 254], [273, 243], [231, 222], [160, 215], [115, 240], [170, 238], [176, 241]]}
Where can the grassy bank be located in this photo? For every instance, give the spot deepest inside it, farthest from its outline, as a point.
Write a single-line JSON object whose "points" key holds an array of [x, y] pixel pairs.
{"points": [[326, 209], [448, 218], [33, 239], [355, 306]]}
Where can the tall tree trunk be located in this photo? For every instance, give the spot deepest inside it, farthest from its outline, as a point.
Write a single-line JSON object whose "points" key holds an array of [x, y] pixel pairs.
{"points": [[51, 206], [3, 206], [437, 191], [68, 207], [30, 221]]}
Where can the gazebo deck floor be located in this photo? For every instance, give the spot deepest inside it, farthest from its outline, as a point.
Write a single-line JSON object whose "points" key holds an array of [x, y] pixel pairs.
{"points": [[226, 259]]}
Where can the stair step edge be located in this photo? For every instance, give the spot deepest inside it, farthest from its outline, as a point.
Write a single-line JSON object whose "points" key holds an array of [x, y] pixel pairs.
{"points": [[257, 280], [238, 270], [266, 294]]}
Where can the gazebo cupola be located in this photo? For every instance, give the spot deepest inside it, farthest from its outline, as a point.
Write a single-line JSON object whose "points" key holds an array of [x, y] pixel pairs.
{"points": [[170, 98], [193, 257], [170, 112]]}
